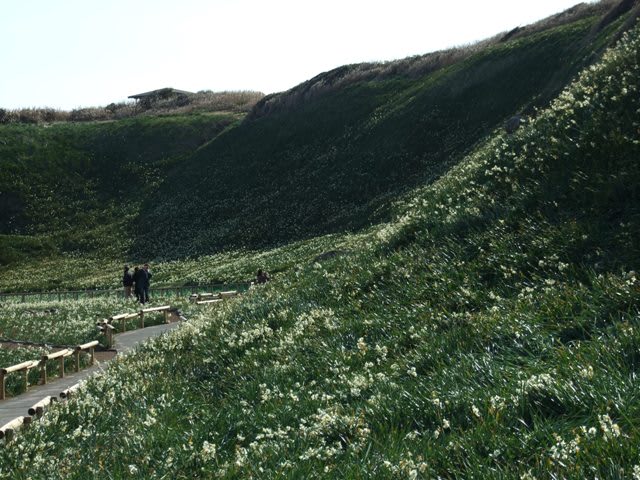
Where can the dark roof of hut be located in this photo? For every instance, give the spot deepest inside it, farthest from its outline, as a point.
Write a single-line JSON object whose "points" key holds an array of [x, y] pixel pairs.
{"points": [[160, 93]]}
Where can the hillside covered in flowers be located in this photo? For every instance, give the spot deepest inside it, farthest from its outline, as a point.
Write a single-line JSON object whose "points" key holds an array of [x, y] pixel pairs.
{"points": [[489, 329]]}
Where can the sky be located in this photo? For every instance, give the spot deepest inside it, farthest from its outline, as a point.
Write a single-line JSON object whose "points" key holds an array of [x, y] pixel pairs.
{"points": [[68, 54]]}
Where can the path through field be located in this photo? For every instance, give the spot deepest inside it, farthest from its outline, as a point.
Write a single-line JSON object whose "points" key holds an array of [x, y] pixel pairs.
{"points": [[124, 342]]}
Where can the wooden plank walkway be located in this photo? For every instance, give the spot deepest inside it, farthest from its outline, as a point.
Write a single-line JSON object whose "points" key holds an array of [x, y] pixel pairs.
{"points": [[124, 343]]}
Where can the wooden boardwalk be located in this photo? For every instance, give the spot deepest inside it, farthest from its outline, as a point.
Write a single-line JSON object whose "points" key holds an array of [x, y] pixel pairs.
{"points": [[124, 343]]}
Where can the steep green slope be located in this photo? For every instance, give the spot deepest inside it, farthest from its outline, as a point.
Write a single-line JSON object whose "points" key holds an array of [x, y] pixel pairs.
{"points": [[331, 163], [328, 159], [78, 187], [490, 330]]}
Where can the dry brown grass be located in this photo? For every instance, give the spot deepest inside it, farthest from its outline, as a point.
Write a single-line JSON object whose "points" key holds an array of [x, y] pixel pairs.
{"points": [[201, 102], [418, 65]]}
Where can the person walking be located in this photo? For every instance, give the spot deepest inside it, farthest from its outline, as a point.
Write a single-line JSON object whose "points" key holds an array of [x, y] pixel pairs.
{"points": [[127, 282], [136, 290], [145, 267], [142, 282]]}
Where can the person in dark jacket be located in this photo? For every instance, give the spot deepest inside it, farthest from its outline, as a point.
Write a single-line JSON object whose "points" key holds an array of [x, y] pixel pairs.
{"points": [[135, 285], [141, 280], [127, 282], [262, 277], [145, 267]]}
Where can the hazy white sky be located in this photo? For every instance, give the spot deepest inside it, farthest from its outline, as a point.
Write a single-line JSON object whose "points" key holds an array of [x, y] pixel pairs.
{"points": [[72, 53]]}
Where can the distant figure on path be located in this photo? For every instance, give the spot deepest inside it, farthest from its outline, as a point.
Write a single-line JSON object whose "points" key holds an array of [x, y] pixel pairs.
{"points": [[145, 267], [142, 284], [262, 277], [127, 282]]}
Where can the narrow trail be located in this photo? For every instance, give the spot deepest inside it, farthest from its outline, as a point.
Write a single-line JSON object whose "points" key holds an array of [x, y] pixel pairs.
{"points": [[124, 343]]}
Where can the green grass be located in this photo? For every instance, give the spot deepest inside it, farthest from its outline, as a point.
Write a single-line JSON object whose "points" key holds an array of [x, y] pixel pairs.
{"points": [[77, 188], [175, 187], [334, 163], [490, 329]]}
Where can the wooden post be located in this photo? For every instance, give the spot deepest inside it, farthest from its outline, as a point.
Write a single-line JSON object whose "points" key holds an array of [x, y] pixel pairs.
{"points": [[166, 316], [61, 354], [69, 391], [107, 329], [38, 408], [7, 430], [43, 372], [4, 384], [88, 346], [26, 379], [141, 319]]}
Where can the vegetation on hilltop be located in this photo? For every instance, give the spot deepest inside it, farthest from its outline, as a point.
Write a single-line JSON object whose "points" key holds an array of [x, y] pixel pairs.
{"points": [[204, 101], [420, 65], [490, 330]]}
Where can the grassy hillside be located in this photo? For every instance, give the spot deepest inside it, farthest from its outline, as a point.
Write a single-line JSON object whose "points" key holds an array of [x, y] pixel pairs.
{"points": [[331, 156], [78, 187], [332, 162], [329, 159], [490, 330]]}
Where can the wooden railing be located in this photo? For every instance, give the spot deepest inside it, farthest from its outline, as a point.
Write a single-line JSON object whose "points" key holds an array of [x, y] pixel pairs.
{"points": [[8, 430], [39, 408], [25, 367], [20, 367], [107, 326], [209, 298], [91, 346], [61, 355]]}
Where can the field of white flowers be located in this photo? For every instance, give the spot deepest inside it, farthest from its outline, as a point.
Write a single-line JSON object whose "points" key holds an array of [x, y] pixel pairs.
{"points": [[30, 329], [66, 322], [491, 331]]}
